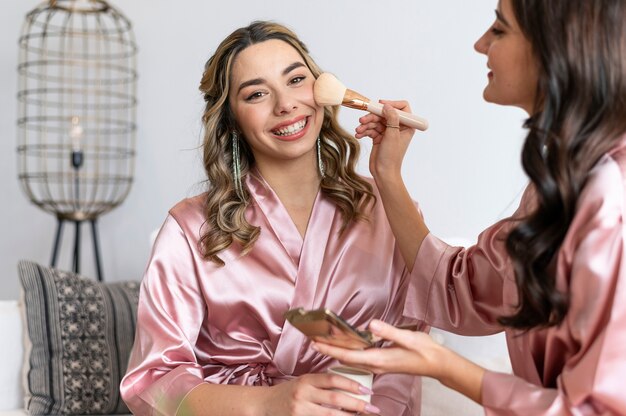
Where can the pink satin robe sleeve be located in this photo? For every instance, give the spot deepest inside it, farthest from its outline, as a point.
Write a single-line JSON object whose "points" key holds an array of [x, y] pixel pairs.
{"points": [[577, 368], [200, 323]]}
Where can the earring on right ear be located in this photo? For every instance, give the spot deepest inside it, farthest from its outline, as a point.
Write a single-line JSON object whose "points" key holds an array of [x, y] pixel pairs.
{"points": [[236, 165], [320, 162]]}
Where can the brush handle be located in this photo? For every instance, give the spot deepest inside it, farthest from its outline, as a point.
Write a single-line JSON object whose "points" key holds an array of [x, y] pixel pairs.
{"points": [[408, 119]]}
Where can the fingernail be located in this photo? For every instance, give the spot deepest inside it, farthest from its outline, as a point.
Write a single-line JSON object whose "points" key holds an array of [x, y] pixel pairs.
{"points": [[370, 408], [365, 390]]}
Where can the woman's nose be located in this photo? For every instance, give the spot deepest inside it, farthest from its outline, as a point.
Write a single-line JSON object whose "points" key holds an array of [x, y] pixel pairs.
{"points": [[481, 44], [285, 103]]}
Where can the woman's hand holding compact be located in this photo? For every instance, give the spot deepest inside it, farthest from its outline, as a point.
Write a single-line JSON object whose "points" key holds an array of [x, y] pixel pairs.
{"points": [[414, 353]]}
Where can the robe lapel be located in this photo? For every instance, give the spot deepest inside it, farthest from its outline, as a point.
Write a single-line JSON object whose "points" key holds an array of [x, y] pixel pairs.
{"points": [[307, 255], [277, 218], [308, 279]]}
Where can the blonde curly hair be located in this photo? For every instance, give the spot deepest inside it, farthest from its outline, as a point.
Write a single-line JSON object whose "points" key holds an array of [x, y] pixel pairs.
{"points": [[224, 208]]}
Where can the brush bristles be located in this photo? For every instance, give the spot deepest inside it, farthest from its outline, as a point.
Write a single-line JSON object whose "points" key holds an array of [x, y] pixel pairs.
{"points": [[328, 90]]}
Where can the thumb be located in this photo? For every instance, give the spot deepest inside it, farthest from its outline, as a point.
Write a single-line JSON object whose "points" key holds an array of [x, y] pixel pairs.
{"points": [[391, 333], [391, 116], [383, 329]]}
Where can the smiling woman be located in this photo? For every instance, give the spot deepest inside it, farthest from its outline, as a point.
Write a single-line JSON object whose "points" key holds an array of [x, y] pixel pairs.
{"points": [[256, 85], [514, 72], [272, 99], [282, 225]]}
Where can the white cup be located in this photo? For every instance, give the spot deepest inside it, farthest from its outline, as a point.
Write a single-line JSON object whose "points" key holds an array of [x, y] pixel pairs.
{"points": [[363, 377]]}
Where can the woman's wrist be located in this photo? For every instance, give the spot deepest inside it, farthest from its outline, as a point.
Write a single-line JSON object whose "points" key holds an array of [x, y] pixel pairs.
{"points": [[388, 174], [460, 374], [438, 358]]}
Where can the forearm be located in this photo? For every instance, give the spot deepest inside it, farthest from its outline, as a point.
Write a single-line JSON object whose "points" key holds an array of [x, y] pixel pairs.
{"points": [[461, 374], [223, 400], [406, 222]]}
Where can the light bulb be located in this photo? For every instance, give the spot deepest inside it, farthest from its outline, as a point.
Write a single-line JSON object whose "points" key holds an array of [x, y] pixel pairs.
{"points": [[76, 134]]}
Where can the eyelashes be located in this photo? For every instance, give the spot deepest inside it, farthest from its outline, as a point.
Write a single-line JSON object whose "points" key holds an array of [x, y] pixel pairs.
{"points": [[298, 79], [259, 94], [255, 95]]}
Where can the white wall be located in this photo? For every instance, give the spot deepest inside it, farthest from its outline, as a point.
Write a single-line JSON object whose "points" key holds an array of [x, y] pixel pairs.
{"points": [[464, 171]]}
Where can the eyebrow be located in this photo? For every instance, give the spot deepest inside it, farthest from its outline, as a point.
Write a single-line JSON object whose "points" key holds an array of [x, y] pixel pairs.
{"points": [[501, 18], [258, 81]]}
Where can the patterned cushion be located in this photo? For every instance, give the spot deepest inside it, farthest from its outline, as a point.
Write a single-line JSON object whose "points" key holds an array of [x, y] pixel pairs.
{"points": [[79, 336]]}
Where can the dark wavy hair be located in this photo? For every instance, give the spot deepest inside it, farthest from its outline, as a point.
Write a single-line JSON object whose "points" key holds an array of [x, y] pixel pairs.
{"points": [[580, 114]]}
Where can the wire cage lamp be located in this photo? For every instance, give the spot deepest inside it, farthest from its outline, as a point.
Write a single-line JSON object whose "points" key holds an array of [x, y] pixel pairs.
{"points": [[76, 113]]}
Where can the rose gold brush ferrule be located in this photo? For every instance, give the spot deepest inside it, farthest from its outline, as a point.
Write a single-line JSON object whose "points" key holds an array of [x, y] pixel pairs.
{"points": [[355, 100]]}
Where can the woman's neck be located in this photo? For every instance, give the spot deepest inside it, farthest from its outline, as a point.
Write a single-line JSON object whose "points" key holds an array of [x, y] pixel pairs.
{"points": [[291, 183], [296, 186], [294, 180]]}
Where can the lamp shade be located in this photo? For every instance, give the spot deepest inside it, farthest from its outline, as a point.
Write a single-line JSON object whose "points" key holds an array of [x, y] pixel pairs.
{"points": [[76, 107]]}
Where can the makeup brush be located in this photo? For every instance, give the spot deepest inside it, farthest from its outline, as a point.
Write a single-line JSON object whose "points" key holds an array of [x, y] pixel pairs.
{"points": [[328, 90]]}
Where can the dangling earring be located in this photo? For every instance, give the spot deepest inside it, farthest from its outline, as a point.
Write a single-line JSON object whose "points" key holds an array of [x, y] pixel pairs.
{"points": [[320, 162], [236, 165]]}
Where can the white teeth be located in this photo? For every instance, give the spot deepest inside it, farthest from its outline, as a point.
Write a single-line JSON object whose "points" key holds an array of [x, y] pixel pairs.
{"points": [[292, 129]]}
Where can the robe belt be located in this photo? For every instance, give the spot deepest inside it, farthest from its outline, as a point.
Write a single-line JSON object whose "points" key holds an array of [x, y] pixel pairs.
{"points": [[251, 374]]}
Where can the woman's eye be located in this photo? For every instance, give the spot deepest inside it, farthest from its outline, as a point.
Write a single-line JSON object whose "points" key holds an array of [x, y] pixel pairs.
{"points": [[255, 95], [297, 80], [496, 31]]}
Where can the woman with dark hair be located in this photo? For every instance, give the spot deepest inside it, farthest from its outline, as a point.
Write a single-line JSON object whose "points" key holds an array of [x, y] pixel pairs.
{"points": [[553, 276], [286, 222]]}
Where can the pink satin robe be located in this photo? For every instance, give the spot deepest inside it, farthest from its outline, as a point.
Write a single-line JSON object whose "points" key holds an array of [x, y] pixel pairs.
{"points": [[200, 323], [577, 368]]}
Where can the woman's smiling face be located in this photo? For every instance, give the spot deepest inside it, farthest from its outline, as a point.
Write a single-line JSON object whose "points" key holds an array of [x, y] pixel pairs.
{"points": [[271, 96], [513, 75]]}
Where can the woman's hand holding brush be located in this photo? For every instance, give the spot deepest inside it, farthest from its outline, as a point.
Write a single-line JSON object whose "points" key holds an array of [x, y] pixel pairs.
{"points": [[390, 140], [384, 116], [328, 90]]}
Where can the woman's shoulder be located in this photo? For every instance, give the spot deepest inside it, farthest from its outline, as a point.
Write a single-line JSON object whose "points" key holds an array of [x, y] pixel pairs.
{"points": [[190, 209], [617, 157], [608, 176], [604, 193]]}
